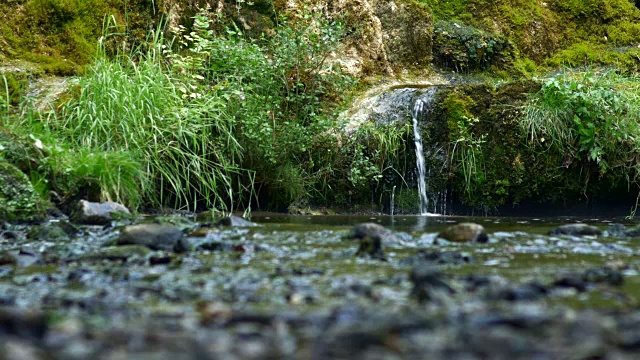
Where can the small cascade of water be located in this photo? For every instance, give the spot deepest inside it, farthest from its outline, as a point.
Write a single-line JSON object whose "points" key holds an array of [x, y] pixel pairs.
{"points": [[393, 198], [418, 108]]}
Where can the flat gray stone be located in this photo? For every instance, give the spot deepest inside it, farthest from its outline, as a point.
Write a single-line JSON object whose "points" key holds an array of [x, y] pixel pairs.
{"points": [[153, 236], [92, 213]]}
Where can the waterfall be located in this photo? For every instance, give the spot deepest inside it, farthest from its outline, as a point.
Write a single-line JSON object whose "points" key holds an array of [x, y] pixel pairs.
{"points": [[393, 198], [422, 184], [420, 106]]}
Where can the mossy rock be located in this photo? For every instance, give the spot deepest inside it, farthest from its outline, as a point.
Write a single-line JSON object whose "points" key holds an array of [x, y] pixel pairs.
{"points": [[510, 171], [18, 200], [464, 48], [61, 35]]}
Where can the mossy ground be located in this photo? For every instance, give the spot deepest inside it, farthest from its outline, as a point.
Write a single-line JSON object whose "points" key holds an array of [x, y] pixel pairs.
{"points": [[61, 35], [510, 170], [555, 33]]}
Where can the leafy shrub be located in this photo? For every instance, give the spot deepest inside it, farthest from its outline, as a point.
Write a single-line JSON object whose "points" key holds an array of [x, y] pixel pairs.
{"points": [[592, 115], [214, 114], [281, 92]]}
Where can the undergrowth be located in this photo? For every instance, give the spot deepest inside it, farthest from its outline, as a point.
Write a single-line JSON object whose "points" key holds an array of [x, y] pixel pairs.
{"points": [[212, 119], [591, 115]]}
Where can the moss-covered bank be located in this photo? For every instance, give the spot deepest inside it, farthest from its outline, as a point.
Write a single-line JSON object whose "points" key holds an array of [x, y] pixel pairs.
{"points": [[492, 164], [554, 33]]}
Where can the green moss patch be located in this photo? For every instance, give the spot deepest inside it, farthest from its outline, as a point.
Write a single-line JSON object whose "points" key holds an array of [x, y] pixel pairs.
{"points": [[18, 200], [62, 34]]}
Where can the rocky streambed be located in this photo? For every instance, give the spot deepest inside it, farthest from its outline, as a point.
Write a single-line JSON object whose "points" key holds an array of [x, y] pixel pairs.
{"points": [[293, 287]]}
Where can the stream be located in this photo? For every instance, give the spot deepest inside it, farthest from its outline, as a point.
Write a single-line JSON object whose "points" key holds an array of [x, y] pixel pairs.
{"points": [[292, 287]]}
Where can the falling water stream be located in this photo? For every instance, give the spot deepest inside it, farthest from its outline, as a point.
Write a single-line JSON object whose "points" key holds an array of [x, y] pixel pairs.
{"points": [[417, 113]]}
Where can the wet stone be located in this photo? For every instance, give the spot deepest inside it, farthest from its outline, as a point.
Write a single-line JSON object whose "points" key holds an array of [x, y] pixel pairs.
{"points": [[465, 232], [616, 230], [80, 275], [19, 258], [179, 222], [91, 213], [372, 237], [160, 259], [370, 246], [153, 236], [435, 257], [27, 258], [235, 221], [524, 292], [7, 259], [429, 285], [8, 235], [576, 230], [26, 324], [573, 280], [122, 252], [603, 275], [53, 231], [633, 233], [373, 230]]}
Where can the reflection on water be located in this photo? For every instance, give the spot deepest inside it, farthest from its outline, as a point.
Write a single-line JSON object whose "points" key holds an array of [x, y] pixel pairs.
{"points": [[419, 223]]}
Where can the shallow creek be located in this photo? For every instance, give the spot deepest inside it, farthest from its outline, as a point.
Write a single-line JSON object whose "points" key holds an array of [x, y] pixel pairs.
{"points": [[292, 287]]}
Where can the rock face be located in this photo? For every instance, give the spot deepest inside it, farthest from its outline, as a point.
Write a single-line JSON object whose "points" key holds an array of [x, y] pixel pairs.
{"points": [[465, 232], [576, 230], [407, 29], [381, 33], [90, 213], [153, 236], [18, 200]]}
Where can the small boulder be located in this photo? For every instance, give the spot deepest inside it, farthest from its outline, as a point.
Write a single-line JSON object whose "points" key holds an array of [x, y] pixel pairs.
{"points": [[576, 230], [235, 221], [91, 213], [371, 246], [429, 285], [371, 237], [153, 236], [369, 229], [465, 232]]}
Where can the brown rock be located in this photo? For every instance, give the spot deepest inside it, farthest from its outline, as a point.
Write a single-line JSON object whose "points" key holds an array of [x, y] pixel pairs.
{"points": [[465, 232]]}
